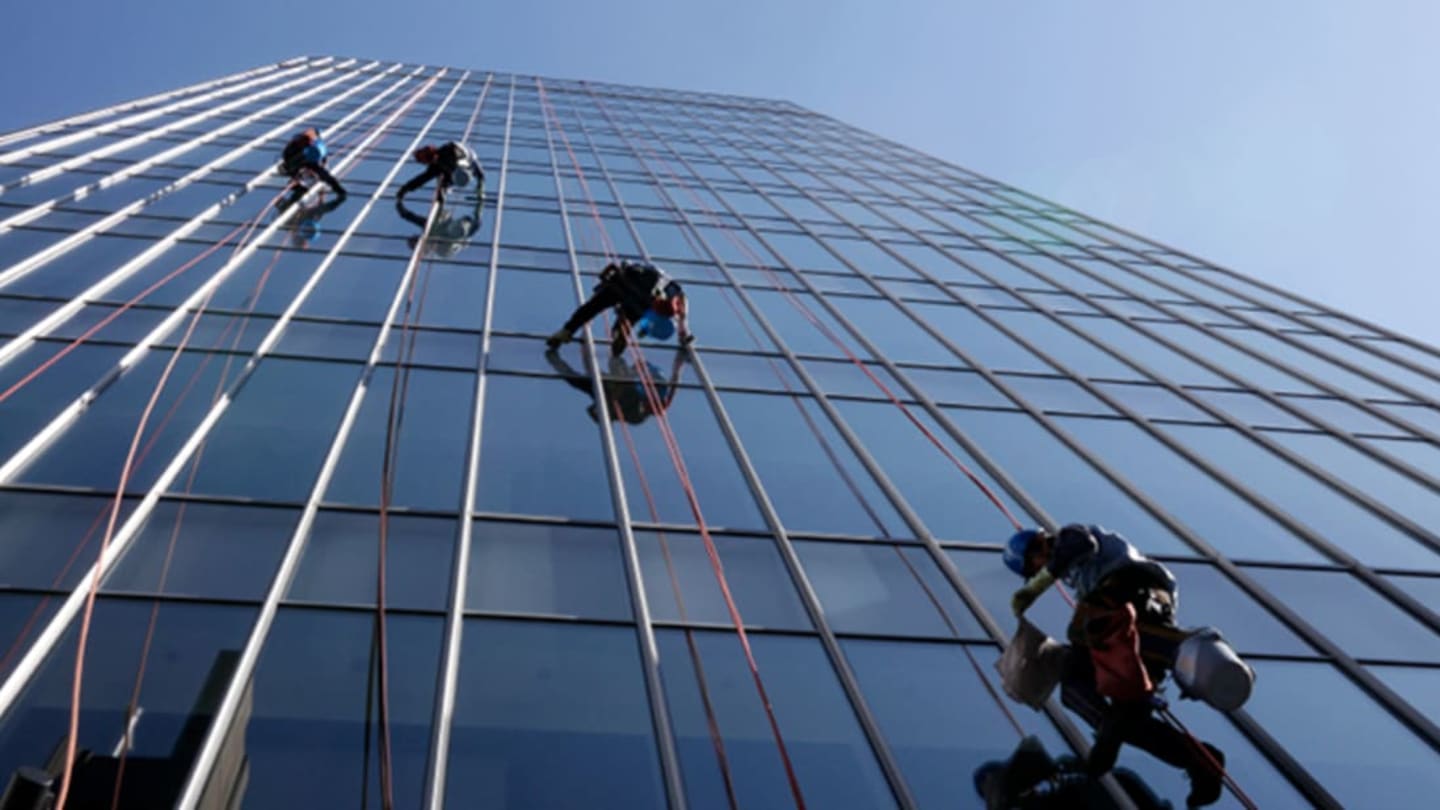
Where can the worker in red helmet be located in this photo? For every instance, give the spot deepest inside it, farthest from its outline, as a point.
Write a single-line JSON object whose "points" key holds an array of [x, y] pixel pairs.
{"points": [[453, 164], [1123, 640], [646, 301]]}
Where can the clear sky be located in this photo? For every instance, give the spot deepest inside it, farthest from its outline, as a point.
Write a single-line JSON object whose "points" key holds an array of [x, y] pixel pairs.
{"points": [[1294, 140]]}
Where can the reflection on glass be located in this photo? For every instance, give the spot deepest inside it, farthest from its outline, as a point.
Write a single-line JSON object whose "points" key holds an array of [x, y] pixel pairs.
{"points": [[884, 589], [1358, 619], [549, 715], [547, 568], [310, 730], [833, 763], [681, 583], [339, 562]]}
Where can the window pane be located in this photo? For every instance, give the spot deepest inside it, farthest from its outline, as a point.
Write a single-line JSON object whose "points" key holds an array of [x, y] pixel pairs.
{"points": [[1222, 518], [194, 648], [271, 441], [1362, 622], [989, 346], [1375, 762], [311, 734], [1419, 686], [807, 469], [1066, 347], [1344, 522], [895, 333], [758, 580], [937, 717], [874, 589], [1064, 484], [433, 412], [946, 500], [539, 453], [833, 764], [1401, 493], [340, 560], [219, 551], [545, 568], [1209, 598], [561, 714]]}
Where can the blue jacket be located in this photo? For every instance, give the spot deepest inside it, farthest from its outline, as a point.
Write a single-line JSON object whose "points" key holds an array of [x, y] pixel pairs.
{"points": [[1084, 556]]}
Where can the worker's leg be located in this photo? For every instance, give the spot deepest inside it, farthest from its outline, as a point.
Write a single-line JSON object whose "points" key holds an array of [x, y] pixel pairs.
{"points": [[605, 297]]}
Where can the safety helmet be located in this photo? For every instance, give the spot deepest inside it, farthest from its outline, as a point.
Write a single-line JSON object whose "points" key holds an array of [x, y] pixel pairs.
{"points": [[1016, 548], [653, 324]]}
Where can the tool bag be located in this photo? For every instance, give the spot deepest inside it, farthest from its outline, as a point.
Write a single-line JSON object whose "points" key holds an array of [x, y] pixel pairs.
{"points": [[1030, 665]]}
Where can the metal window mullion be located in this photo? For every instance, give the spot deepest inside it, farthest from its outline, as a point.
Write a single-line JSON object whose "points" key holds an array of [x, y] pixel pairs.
{"points": [[20, 458], [63, 141], [24, 266], [227, 712], [1397, 595], [1073, 736], [1423, 535], [79, 193], [105, 150], [74, 120], [889, 764], [42, 327], [48, 638], [671, 771], [455, 617], [1297, 774], [1265, 285], [982, 458], [1367, 681]]}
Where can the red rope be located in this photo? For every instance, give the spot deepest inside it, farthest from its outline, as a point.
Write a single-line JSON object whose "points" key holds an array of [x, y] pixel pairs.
{"points": [[1211, 760], [672, 446]]}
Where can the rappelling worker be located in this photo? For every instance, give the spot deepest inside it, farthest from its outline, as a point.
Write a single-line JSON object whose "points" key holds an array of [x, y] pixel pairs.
{"points": [[454, 164], [306, 155], [624, 388], [1123, 639], [646, 301]]}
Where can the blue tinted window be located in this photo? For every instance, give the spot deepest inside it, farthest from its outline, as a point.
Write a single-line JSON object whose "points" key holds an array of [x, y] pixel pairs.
{"points": [[1222, 518], [433, 412], [1328, 513], [952, 506], [1065, 485], [271, 441], [1209, 598], [1376, 762], [311, 733], [528, 301], [545, 568], [811, 476], [339, 564], [540, 452], [758, 581], [1358, 619], [192, 645], [834, 765], [988, 345], [1399, 492], [50, 540], [884, 589], [1419, 686], [1139, 346], [1068, 348], [938, 718], [897, 336], [1425, 589], [33, 405], [561, 714], [205, 549]]}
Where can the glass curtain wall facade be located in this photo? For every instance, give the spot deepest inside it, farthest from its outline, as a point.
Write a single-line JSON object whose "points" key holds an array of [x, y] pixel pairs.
{"points": [[207, 390]]}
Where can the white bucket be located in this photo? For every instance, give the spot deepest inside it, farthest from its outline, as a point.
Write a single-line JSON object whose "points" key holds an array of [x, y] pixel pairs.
{"points": [[1207, 668]]}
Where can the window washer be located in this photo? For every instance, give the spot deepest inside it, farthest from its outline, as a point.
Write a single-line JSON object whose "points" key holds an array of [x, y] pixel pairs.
{"points": [[454, 164], [646, 301], [1123, 640], [305, 156], [622, 386]]}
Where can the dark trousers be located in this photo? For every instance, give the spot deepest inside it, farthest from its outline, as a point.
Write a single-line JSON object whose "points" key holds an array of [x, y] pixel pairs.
{"points": [[607, 295]]}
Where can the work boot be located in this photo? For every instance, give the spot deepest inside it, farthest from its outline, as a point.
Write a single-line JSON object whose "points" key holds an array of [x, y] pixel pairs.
{"points": [[558, 339], [1205, 779]]}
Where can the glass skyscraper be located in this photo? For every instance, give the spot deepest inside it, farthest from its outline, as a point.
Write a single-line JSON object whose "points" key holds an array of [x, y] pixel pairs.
{"points": [[218, 414]]}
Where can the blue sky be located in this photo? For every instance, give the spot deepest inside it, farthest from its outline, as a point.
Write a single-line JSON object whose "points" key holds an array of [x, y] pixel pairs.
{"points": [[1294, 141]]}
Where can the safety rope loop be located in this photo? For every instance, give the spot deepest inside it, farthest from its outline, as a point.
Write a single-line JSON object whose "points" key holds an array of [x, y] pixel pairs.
{"points": [[672, 446]]}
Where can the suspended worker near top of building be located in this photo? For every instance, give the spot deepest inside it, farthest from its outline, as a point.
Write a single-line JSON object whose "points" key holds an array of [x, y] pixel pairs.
{"points": [[1123, 640], [453, 164], [646, 301], [304, 158]]}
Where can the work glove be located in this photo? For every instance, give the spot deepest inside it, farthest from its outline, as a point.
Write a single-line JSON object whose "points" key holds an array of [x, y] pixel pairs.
{"points": [[686, 339], [1030, 591]]}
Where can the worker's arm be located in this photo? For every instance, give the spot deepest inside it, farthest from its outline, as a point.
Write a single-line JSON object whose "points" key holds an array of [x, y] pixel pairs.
{"points": [[1030, 591], [682, 320], [408, 215], [674, 384], [417, 181], [327, 178]]}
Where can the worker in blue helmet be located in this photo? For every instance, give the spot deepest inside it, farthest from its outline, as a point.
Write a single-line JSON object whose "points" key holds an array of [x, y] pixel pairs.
{"points": [[647, 303], [304, 157], [1123, 640]]}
